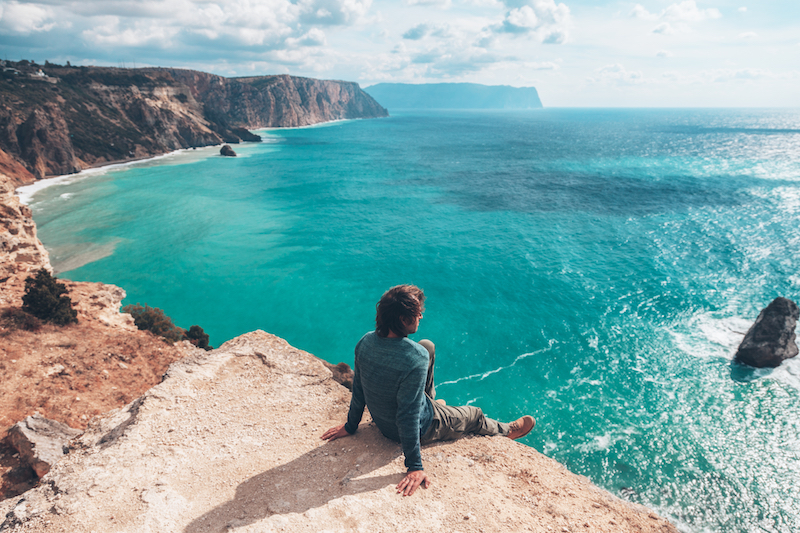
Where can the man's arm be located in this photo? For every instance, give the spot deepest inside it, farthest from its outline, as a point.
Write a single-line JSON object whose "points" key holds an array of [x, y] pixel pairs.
{"points": [[355, 413], [410, 396]]}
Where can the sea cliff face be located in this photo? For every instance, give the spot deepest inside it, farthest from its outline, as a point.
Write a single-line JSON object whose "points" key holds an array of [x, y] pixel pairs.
{"points": [[71, 118]]}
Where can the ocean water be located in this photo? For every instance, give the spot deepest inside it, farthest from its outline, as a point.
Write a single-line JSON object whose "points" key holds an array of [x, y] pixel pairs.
{"points": [[595, 268]]}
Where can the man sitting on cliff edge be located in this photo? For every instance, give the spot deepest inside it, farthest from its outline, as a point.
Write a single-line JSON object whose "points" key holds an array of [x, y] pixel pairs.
{"points": [[393, 377]]}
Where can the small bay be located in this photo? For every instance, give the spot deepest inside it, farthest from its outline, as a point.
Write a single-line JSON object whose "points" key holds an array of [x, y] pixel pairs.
{"points": [[594, 268]]}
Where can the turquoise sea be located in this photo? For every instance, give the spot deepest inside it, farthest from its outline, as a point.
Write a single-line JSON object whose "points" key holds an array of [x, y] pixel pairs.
{"points": [[595, 268]]}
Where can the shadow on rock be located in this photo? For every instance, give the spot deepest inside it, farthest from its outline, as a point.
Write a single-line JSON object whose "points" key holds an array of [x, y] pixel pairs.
{"points": [[331, 471]]}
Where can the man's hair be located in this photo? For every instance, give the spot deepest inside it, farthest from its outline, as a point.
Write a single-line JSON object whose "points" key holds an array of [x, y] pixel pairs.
{"points": [[401, 301]]}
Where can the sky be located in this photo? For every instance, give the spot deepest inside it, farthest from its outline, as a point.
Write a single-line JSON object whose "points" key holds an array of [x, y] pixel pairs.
{"points": [[577, 53]]}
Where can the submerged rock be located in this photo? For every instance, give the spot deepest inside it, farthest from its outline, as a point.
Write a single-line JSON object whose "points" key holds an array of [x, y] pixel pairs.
{"points": [[226, 150], [771, 339], [41, 441]]}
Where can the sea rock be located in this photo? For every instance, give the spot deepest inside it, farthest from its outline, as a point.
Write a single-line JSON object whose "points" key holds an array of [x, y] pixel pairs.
{"points": [[41, 441], [771, 339], [227, 151], [246, 135]]}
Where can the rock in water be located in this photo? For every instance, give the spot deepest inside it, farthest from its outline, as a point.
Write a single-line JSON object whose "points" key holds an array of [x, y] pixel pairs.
{"points": [[226, 150], [40, 441], [772, 337]]}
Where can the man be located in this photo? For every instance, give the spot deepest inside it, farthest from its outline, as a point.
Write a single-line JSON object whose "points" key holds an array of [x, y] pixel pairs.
{"points": [[393, 377]]}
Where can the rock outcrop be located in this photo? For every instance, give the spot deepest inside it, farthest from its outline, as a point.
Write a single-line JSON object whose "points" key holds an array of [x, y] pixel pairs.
{"points": [[41, 442], [86, 116], [71, 373], [227, 151], [230, 441], [771, 339], [21, 252]]}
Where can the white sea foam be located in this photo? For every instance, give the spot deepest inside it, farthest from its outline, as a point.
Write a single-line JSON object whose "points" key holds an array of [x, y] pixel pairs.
{"points": [[27, 192], [485, 375], [706, 335]]}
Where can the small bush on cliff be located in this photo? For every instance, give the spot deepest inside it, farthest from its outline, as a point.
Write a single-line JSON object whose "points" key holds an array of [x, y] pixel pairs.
{"points": [[45, 299], [198, 337], [154, 320], [18, 319]]}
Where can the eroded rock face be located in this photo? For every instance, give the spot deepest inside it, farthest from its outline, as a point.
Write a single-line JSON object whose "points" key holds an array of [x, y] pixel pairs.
{"points": [[96, 115], [21, 252], [44, 142], [40, 441], [771, 339], [227, 151]]}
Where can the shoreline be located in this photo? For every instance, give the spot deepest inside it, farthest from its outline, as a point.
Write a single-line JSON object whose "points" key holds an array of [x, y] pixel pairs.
{"points": [[27, 192]]}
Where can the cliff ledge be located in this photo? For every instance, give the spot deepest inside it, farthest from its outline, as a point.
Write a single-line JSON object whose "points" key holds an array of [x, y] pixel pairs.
{"points": [[230, 441]]}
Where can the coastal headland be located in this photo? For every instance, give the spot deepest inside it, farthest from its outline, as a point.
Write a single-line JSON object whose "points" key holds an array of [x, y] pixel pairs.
{"points": [[179, 439], [57, 120]]}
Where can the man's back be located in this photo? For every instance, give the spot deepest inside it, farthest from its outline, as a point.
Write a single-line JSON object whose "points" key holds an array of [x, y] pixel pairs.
{"points": [[390, 378]]}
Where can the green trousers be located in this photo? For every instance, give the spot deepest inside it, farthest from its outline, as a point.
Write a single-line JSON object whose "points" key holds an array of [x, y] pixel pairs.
{"points": [[450, 421]]}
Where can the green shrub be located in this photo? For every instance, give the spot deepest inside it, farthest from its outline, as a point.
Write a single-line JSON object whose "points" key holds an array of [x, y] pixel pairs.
{"points": [[198, 337], [154, 320], [45, 299], [18, 319]]}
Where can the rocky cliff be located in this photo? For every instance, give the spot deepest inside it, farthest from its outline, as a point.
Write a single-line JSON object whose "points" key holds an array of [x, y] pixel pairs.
{"points": [[230, 441], [69, 118], [69, 373]]}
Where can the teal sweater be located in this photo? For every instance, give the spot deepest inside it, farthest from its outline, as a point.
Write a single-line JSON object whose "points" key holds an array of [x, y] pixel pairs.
{"points": [[389, 379]]}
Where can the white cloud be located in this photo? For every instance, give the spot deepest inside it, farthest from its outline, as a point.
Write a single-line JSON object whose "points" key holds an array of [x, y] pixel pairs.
{"points": [[744, 74], [336, 12], [681, 14], [640, 12], [546, 65], [664, 29], [664, 53], [543, 20], [742, 9], [689, 12], [618, 75], [438, 3], [314, 37], [25, 19], [748, 35]]}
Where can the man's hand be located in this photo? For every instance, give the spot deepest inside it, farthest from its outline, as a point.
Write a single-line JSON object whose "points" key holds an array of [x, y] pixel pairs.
{"points": [[413, 479], [335, 433]]}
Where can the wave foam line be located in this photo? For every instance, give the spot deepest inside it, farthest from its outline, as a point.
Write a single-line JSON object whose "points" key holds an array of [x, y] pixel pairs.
{"points": [[26, 192], [485, 375]]}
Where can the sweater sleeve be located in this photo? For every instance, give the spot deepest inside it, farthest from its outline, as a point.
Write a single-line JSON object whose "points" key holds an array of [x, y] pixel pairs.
{"points": [[410, 397], [357, 403]]}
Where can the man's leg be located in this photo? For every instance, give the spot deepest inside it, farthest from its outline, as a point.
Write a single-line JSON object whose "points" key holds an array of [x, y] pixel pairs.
{"points": [[430, 390], [452, 422]]}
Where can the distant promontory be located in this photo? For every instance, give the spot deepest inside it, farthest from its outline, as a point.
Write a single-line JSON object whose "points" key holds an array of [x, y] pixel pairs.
{"points": [[58, 119], [454, 96]]}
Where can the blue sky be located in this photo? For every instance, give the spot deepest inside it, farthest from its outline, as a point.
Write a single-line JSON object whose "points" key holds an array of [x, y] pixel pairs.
{"points": [[649, 53]]}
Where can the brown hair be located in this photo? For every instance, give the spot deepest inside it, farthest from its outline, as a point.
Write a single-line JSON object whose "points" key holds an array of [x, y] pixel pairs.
{"points": [[401, 301]]}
